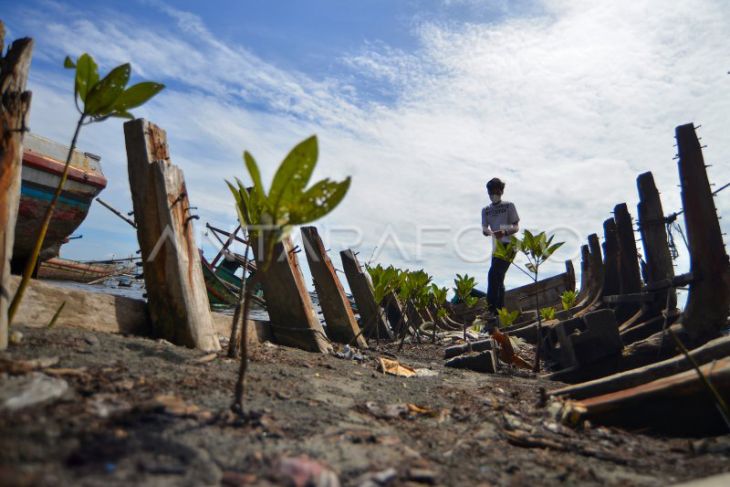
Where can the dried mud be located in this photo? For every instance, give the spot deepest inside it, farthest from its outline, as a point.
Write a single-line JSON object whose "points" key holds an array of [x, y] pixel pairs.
{"points": [[145, 412]]}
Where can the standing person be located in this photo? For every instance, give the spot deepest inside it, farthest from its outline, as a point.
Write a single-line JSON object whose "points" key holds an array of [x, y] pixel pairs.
{"points": [[499, 220]]}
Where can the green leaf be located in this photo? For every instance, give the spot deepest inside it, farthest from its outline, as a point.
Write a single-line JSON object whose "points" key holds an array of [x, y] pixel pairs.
{"points": [[318, 201], [253, 171], [137, 95], [122, 114], [87, 76], [293, 174], [68, 63], [103, 96]]}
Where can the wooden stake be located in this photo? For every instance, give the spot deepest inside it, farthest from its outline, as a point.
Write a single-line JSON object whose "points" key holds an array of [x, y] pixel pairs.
{"points": [[342, 326], [14, 109], [707, 303], [176, 293], [373, 318], [293, 318], [654, 240]]}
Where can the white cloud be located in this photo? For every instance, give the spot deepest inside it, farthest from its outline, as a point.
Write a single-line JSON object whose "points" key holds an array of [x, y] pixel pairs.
{"points": [[568, 104]]}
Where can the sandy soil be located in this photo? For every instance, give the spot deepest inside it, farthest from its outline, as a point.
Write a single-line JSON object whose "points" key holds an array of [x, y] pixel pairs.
{"points": [[145, 412]]}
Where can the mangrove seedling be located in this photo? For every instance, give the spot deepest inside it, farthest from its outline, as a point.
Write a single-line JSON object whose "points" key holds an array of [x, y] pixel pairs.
{"points": [[96, 100], [506, 317], [568, 299], [438, 301], [269, 215], [464, 285], [548, 313], [537, 249]]}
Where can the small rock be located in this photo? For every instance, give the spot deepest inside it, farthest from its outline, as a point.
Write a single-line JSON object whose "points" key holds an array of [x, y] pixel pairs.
{"points": [[92, 340], [30, 390]]}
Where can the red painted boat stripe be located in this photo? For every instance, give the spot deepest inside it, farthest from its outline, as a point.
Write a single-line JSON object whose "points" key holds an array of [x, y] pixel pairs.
{"points": [[52, 166]]}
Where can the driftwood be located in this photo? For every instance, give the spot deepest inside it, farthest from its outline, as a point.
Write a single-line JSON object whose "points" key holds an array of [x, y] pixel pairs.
{"points": [[176, 293], [712, 350], [293, 318], [680, 403], [395, 313], [14, 109], [373, 320], [342, 326]]}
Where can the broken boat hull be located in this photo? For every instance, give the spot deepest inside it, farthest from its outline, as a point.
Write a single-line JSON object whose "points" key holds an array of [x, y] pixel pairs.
{"points": [[43, 163]]}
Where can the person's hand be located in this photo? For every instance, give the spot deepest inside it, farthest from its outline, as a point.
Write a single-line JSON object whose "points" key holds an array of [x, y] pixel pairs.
{"points": [[499, 233], [487, 232]]}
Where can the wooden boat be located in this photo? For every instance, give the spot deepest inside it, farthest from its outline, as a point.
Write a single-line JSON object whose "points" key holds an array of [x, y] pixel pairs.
{"points": [[220, 292], [57, 268], [43, 162]]}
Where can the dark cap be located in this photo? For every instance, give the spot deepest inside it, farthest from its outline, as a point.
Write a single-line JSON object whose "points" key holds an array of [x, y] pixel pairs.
{"points": [[495, 184]]}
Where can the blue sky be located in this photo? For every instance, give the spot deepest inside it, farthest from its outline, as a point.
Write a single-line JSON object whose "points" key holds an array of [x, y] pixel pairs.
{"points": [[420, 102]]}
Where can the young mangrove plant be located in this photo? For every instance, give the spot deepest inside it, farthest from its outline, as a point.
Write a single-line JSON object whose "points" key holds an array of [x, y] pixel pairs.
{"points": [[568, 299], [269, 215], [506, 317], [537, 249], [548, 313], [96, 100], [463, 286]]}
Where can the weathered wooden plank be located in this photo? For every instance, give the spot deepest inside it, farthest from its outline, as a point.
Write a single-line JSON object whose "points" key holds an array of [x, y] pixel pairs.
{"points": [[610, 258], [342, 326], [585, 277], [176, 293], [293, 318], [14, 109], [596, 276], [549, 290], [373, 319], [654, 241], [628, 261], [712, 350], [677, 403], [395, 313], [707, 302]]}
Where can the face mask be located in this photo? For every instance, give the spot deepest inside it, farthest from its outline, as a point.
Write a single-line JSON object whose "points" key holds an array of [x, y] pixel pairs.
{"points": [[495, 198]]}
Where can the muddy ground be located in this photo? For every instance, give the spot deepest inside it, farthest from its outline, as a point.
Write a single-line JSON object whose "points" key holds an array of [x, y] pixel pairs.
{"points": [[145, 412]]}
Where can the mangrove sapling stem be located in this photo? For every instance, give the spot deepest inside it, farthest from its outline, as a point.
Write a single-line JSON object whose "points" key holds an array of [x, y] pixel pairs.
{"points": [[240, 390], [33, 259], [233, 342], [536, 365], [56, 315]]}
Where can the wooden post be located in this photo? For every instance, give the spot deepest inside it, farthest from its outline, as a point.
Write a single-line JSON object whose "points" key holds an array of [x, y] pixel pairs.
{"points": [[707, 303], [14, 108], [611, 258], [176, 293], [372, 317], [628, 264], [342, 326], [596, 276], [654, 239], [293, 318], [585, 278], [397, 316]]}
